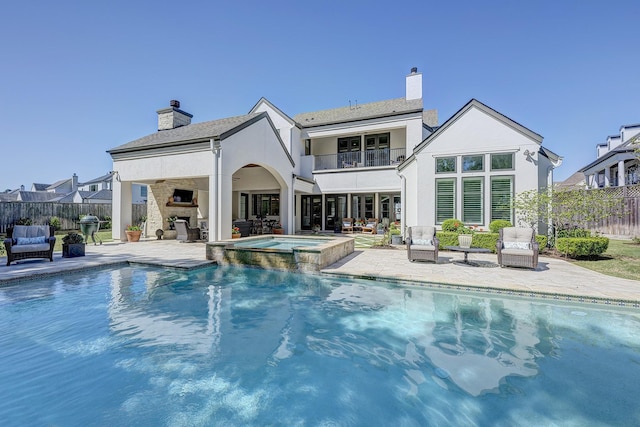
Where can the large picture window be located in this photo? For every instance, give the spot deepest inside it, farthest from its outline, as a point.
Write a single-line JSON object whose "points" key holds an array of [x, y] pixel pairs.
{"points": [[445, 164], [502, 161], [473, 163], [472, 197], [266, 204], [501, 198], [445, 199]]}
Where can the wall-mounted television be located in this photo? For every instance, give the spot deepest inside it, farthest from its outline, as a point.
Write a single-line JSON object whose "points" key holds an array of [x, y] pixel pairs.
{"points": [[182, 196]]}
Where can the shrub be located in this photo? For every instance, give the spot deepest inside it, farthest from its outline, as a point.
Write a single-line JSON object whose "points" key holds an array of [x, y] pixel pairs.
{"points": [[480, 240], [72, 238], [576, 247], [455, 226], [2, 252], [54, 221], [24, 221], [573, 232], [496, 225], [106, 224]]}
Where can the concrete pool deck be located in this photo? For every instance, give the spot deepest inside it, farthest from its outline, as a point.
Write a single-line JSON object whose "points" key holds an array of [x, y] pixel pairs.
{"points": [[553, 277]]}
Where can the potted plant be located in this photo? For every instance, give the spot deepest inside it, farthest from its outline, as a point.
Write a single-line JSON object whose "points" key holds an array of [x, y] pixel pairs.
{"points": [[73, 245], [133, 233], [277, 229], [316, 228], [380, 228], [171, 221], [394, 231], [235, 233]]}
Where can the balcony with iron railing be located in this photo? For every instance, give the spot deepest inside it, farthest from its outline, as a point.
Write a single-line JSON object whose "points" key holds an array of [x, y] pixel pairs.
{"points": [[360, 159]]}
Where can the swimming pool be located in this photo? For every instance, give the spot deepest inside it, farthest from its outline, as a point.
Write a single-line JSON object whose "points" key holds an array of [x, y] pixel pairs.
{"points": [[233, 346], [305, 254]]}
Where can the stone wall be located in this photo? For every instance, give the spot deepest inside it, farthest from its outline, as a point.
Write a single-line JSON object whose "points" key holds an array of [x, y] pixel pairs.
{"points": [[158, 211]]}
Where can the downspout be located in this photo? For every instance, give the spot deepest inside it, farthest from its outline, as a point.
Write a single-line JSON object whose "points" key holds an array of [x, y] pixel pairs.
{"points": [[215, 197], [403, 211]]}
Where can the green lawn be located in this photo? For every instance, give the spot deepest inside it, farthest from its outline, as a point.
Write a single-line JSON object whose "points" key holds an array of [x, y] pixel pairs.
{"points": [[622, 259], [105, 236]]}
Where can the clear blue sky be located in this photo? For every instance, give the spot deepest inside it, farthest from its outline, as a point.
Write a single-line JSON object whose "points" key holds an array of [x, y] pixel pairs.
{"points": [[79, 77]]}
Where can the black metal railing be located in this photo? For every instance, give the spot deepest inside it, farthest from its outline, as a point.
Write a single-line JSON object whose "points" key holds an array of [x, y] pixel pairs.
{"points": [[360, 159]]}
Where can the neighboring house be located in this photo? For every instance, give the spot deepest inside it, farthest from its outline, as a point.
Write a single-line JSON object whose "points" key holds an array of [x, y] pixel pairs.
{"points": [[574, 182], [617, 163], [69, 190], [387, 160]]}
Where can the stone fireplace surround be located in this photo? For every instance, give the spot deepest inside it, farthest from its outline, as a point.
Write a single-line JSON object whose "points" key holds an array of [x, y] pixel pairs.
{"points": [[158, 211]]}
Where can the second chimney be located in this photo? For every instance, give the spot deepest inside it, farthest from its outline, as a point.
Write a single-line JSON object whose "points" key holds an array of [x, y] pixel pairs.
{"points": [[414, 85], [173, 117]]}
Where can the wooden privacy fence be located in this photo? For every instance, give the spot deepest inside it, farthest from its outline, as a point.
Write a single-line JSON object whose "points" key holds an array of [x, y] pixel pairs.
{"points": [[627, 224], [68, 213]]}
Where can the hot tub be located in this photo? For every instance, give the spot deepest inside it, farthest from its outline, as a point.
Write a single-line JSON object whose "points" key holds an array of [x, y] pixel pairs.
{"points": [[292, 253]]}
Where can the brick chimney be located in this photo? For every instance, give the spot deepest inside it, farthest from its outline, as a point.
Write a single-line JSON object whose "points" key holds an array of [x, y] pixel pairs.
{"points": [[414, 85], [173, 117]]}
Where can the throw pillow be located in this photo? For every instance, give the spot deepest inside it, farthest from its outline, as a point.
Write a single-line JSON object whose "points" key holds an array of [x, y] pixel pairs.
{"points": [[423, 242], [371, 225], [31, 240], [517, 245], [346, 224]]}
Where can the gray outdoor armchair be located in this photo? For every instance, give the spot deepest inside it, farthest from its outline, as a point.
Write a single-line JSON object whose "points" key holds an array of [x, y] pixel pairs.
{"points": [[186, 233], [517, 247], [422, 243]]}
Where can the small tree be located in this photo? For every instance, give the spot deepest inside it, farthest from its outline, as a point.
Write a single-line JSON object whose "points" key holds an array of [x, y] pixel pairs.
{"points": [[567, 208]]}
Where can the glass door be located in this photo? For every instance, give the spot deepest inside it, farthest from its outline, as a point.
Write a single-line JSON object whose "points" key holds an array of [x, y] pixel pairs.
{"points": [[311, 211], [335, 210]]}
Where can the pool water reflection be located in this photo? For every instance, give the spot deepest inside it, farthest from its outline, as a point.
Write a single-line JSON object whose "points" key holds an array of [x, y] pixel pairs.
{"points": [[233, 346]]}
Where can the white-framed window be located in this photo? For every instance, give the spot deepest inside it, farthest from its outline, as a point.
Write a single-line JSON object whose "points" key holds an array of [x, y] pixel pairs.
{"points": [[474, 163], [445, 165], [472, 200], [445, 199], [501, 198], [502, 161]]}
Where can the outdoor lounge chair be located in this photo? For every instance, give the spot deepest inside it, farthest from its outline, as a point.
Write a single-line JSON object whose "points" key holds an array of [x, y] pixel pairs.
{"points": [[29, 241], [517, 247], [371, 226], [422, 243], [185, 233], [347, 225]]}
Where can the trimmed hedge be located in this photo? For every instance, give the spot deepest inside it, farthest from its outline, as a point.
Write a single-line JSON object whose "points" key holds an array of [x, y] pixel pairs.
{"points": [[480, 240], [2, 252], [575, 247], [496, 225]]}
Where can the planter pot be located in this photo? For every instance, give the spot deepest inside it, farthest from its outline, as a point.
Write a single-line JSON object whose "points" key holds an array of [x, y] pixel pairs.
{"points": [[72, 250], [396, 239], [278, 231], [464, 240], [236, 235], [133, 236]]}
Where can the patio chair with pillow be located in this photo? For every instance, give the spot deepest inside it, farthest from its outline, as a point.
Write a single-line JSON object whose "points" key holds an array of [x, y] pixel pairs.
{"points": [[29, 241], [371, 226], [185, 233], [422, 243], [347, 225], [517, 247]]}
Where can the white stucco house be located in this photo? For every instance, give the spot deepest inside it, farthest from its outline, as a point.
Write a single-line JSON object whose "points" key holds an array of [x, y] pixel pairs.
{"points": [[386, 160], [616, 163]]}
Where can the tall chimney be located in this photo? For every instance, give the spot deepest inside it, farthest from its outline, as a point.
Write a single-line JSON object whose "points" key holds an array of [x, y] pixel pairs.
{"points": [[173, 117], [414, 85]]}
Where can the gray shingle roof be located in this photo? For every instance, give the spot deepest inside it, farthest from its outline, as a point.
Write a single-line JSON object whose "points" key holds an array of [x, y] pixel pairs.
{"points": [[40, 187], [353, 113], [100, 195], [192, 132], [58, 183], [8, 197], [37, 196], [103, 178], [430, 117]]}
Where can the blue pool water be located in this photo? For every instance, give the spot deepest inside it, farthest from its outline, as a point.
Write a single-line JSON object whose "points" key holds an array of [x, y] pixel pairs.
{"points": [[242, 347], [278, 243]]}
